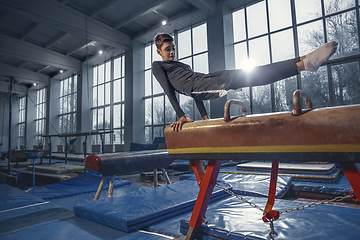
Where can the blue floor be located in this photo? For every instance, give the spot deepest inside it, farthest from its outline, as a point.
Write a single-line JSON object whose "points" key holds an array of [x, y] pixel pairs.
{"points": [[164, 212]]}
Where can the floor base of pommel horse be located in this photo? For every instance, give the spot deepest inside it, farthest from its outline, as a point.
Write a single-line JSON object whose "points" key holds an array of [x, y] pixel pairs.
{"points": [[303, 135]]}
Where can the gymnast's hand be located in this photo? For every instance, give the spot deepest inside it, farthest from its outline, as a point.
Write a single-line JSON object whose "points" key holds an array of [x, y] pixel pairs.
{"points": [[178, 125]]}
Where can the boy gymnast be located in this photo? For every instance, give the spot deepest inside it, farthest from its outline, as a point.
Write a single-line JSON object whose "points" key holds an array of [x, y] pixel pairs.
{"points": [[176, 76]]}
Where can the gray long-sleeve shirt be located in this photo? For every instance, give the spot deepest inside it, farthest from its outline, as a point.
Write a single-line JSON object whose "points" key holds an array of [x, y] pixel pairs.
{"points": [[173, 75]]}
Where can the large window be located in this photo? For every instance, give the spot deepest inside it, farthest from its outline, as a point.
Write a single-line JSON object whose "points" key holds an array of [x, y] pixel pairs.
{"points": [[68, 99], [191, 49], [275, 30], [21, 123], [109, 100], [40, 115]]}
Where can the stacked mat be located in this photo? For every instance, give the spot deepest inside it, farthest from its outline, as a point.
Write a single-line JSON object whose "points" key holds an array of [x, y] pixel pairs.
{"points": [[145, 207], [84, 183], [324, 173]]}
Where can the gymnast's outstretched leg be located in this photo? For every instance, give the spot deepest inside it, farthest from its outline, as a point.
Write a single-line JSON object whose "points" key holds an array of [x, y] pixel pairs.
{"points": [[262, 75]]}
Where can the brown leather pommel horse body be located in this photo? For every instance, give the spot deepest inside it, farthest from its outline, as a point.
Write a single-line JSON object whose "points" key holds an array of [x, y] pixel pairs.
{"points": [[327, 134]]}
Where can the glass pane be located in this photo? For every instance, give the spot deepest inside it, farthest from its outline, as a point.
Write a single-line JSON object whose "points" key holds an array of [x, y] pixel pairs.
{"points": [[282, 45], [100, 118], [66, 89], [346, 79], [117, 136], [101, 74], [341, 28], [148, 57], [199, 39], [95, 100], [156, 56], [201, 63], [242, 95], [95, 77], [239, 25], [94, 120], [75, 83], [261, 99], [158, 110], [107, 93], [75, 102], [117, 91], [61, 105], [259, 51], [279, 14], [148, 135], [101, 95], [307, 10], [122, 115], [156, 87], [148, 82], [61, 88], [74, 122], [158, 132], [184, 44], [117, 68], [241, 56], [187, 61], [123, 89], [311, 36], [148, 111], [332, 6], [256, 19], [117, 116], [107, 71], [107, 139], [284, 90], [316, 86], [123, 66], [187, 105], [170, 114], [107, 118]]}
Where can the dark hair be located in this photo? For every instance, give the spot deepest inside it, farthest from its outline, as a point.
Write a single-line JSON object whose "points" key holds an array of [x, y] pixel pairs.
{"points": [[160, 38]]}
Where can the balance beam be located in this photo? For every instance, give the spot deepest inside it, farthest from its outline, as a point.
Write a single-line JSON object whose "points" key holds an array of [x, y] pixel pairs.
{"points": [[126, 162], [327, 134]]}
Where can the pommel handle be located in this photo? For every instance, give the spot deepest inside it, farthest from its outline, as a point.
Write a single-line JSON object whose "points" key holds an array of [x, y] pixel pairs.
{"points": [[227, 108]]}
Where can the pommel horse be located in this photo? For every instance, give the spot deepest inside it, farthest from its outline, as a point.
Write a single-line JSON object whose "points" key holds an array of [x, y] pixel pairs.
{"points": [[126, 162], [327, 134]]}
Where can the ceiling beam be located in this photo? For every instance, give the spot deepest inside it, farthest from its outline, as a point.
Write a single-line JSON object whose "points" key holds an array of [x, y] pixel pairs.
{"points": [[66, 19], [58, 38], [153, 6], [170, 27], [32, 28], [29, 52], [80, 46], [102, 8], [206, 6], [22, 75]]}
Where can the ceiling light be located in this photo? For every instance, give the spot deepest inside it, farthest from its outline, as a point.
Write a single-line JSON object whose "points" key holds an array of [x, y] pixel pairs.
{"points": [[34, 84], [61, 71], [100, 52], [164, 22]]}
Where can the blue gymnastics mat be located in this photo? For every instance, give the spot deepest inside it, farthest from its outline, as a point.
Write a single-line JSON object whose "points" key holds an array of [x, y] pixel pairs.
{"points": [[232, 219], [11, 197], [321, 178], [340, 187], [250, 185], [145, 207], [84, 183], [70, 202]]}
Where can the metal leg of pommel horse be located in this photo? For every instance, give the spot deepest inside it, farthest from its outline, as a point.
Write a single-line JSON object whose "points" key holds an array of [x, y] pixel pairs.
{"points": [[206, 181], [352, 173], [101, 185]]}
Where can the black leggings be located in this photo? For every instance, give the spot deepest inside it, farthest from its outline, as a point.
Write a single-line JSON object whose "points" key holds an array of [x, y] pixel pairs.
{"points": [[235, 79]]}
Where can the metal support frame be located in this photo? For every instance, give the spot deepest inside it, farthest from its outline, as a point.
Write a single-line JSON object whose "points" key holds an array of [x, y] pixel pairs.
{"points": [[352, 174], [206, 181]]}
